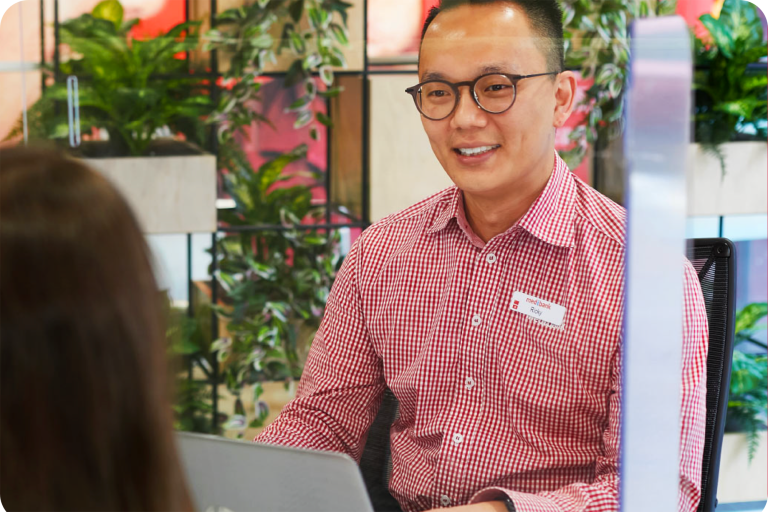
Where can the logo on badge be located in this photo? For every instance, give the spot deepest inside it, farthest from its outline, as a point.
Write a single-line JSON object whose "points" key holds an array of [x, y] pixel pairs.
{"points": [[516, 303]]}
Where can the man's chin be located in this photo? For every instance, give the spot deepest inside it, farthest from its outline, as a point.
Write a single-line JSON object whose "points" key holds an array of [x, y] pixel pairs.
{"points": [[478, 186]]}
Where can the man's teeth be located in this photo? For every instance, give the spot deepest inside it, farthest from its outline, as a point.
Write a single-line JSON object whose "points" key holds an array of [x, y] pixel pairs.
{"points": [[475, 151]]}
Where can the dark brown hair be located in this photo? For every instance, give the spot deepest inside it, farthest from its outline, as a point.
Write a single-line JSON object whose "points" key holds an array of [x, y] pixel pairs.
{"points": [[545, 17], [85, 415]]}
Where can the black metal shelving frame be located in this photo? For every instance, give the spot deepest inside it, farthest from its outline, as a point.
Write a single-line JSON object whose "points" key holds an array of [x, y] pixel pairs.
{"points": [[212, 372], [212, 375]]}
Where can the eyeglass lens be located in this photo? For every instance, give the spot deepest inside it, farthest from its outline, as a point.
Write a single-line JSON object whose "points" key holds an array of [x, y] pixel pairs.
{"points": [[495, 93]]}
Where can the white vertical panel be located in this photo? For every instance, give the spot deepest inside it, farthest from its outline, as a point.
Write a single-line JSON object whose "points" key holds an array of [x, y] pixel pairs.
{"points": [[658, 124], [403, 168]]}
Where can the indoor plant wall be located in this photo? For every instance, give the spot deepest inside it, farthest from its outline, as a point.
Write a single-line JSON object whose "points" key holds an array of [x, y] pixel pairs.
{"points": [[728, 161], [134, 96], [275, 274], [742, 467], [597, 43]]}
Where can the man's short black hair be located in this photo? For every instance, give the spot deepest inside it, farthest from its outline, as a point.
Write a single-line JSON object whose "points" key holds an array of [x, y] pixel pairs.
{"points": [[546, 18]]}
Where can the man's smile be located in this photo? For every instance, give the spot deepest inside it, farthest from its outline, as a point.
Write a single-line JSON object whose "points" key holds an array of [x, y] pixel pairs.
{"points": [[476, 150]]}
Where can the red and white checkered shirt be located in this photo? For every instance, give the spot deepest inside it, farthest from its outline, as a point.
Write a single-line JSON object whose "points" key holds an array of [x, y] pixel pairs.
{"points": [[492, 401]]}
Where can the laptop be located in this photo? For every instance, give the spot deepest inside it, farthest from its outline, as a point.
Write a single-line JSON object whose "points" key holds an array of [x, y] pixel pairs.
{"points": [[239, 476]]}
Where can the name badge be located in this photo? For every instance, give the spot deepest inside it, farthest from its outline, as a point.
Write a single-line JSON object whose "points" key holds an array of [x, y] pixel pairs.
{"points": [[538, 308]]}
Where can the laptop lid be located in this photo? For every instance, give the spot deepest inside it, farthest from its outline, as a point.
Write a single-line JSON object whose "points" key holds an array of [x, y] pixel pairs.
{"points": [[245, 476]]}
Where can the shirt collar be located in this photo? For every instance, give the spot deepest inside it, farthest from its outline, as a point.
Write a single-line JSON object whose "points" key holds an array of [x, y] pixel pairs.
{"points": [[550, 217]]}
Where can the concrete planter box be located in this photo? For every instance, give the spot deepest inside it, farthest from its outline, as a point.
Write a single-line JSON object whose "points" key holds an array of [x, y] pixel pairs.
{"points": [[169, 194], [743, 188], [739, 480]]}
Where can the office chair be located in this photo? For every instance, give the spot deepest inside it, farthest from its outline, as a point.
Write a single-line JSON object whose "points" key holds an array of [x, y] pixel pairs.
{"points": [[714, 261]]}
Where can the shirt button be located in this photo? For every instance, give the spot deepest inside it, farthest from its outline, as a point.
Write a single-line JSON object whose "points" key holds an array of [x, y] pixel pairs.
{"points": [[476, 320], [490, 259], [469, 382], [457, 438], [445, 501]]}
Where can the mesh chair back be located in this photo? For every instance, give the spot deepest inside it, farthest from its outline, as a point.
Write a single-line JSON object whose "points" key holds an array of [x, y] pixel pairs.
{"points": [[714, 260], [376, 462]]}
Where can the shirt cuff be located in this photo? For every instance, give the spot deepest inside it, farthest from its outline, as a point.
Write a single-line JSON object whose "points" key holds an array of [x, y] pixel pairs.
{"points": [[523, 502]]}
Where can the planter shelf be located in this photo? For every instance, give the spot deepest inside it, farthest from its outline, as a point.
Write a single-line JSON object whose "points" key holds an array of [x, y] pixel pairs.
{"points": [[741, 191], [741, 481], [168, 194]]}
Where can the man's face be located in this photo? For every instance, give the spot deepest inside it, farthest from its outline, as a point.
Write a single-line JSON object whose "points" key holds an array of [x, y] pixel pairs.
{"points": [[464, 43]]}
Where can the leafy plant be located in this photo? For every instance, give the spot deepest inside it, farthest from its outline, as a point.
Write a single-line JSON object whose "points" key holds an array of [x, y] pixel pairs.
{"points": [[119, 87], [188, 340], [748, 400], [731, 100], [597, 42], [276, 281], [748, 324], [245, 35]]}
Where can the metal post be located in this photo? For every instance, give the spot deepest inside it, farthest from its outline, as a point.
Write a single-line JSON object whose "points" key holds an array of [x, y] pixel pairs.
{"points": [[328, 162], [214, 62], [42, 45], [190, 295], [214, 142], [365, 199], [56, 42], [214, 335]]}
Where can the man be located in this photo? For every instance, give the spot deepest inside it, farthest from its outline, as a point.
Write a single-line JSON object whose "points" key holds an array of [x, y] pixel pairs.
{"points": [[493, 309]]}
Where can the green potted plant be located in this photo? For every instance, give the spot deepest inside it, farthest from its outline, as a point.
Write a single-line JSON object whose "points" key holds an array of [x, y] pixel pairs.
{"points": [[597, 43], [274, 282], [748, 400], [134, 98], [747, 412], [728, 161], [189, 341]]}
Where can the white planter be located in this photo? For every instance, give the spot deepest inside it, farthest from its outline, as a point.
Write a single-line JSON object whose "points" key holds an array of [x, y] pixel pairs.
{"points": [[743, 188], [169, 194], [739, 480]]}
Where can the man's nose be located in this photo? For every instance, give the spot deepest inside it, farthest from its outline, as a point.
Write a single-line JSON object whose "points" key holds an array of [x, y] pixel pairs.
{"points": [[468, 114]]}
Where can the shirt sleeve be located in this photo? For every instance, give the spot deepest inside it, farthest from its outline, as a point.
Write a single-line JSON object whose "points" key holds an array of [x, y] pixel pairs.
{"points": [[603, 493], [342, 384]]}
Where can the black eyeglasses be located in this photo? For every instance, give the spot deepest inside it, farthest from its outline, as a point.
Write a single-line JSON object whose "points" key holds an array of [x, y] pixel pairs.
{"points": [[494, 92]]}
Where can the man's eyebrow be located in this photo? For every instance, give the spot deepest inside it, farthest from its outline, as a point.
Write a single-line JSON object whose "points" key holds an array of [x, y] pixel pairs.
{"points": [[493, 69], [432, 75], [435, 75]]}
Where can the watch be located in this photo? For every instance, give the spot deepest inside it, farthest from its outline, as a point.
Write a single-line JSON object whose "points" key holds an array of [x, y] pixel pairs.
{"points": [[509, 503]]}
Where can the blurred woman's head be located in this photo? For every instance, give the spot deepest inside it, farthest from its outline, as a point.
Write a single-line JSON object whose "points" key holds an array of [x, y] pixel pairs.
{"points": [[85, 418]]}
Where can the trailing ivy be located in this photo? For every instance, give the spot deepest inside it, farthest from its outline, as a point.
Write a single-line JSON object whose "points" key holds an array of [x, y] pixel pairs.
{"points": [[597, 43], [275, 282]]}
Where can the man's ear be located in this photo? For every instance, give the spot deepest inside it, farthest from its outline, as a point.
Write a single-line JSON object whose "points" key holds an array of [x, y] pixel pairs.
{"points": [[565, 97]]}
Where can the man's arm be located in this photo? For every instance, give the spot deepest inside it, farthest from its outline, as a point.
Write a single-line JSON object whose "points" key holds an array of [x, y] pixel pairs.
{"points": [[602, 494], [342, 384]]}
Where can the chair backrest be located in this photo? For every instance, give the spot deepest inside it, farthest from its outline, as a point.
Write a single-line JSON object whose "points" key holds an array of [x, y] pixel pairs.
{"points": [[714, 260], [376, 462]]}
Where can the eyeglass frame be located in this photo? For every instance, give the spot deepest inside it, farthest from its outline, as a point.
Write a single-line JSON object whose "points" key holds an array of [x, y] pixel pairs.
{"points": [[413, 91]]}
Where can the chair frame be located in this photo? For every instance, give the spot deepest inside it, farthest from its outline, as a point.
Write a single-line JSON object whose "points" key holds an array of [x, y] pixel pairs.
{"points": [[721, 248]]}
